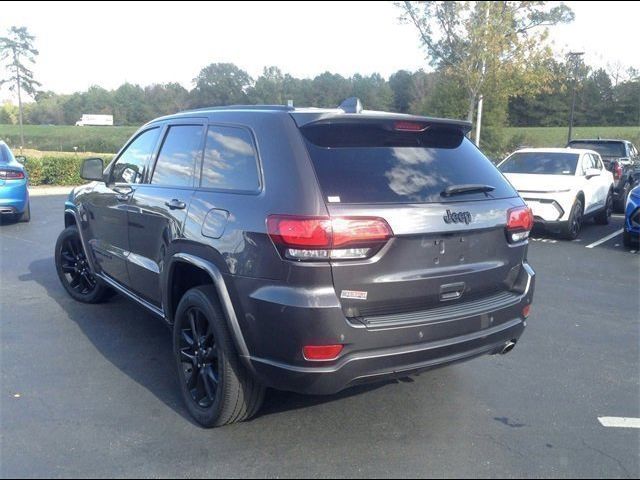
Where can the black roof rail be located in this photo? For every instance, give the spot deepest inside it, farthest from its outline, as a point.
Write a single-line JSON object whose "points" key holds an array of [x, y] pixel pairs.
{"points": [[351, 105], [282, 108]]}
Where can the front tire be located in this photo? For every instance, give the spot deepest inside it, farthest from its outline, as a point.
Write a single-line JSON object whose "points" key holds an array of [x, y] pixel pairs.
{"points": [[571, 228], [629, 240], [622, 198], [74, 271], [216, 387], [603, 217]]}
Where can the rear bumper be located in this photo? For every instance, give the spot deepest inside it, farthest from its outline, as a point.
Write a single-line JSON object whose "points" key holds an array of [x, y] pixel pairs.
{"points": [[278, 333], [14, 197]]}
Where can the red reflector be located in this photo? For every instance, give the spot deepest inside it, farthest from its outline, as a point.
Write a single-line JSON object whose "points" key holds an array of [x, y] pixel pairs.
{"points": [[326, 233], [409, 126], [322, 352], [526, 310], [519, 218], [11, 174]]}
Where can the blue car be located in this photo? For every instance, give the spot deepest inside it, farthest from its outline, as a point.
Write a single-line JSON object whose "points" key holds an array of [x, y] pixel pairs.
{"points": [[632, 219], [14, 191]]}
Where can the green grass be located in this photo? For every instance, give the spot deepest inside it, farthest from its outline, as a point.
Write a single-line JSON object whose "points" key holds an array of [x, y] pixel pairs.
{"points": [[110, 139], [64, 138], [557, 136]]}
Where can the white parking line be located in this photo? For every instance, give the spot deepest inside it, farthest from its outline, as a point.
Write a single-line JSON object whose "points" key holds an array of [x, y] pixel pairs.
{"points": [[619, 422], [607, 238]]}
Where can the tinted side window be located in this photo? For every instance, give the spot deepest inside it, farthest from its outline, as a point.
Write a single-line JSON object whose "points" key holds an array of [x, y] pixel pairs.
{"points": [[230, 160], [131, 166], [181, 148]]}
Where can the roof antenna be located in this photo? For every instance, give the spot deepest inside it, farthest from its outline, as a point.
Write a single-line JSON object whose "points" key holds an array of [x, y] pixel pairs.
{"points": [[351, 105]]}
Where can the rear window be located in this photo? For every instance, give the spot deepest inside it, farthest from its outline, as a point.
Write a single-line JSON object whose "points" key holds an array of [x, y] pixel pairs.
{"points": [[541, 163], [606, 149], [358, 163]]}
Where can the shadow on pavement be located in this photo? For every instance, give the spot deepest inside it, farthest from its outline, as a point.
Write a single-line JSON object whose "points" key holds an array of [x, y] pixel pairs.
{"points": [[139, 345]]}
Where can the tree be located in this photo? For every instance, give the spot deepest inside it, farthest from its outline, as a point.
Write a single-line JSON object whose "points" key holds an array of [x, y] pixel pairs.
{"points": [[401, 84], [269, 88], [220, 84], [16, 49], [482, 42]]}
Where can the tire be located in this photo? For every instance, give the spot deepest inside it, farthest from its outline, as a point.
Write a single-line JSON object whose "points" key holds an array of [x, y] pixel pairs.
{"points": [[26, 215], [602, 218], [74, 271], [621, 203], [215, 386], [629, 241], [571, 229]]}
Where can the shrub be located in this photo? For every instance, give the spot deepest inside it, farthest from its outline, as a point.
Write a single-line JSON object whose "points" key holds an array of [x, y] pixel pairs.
{"points": [[56, 170]]}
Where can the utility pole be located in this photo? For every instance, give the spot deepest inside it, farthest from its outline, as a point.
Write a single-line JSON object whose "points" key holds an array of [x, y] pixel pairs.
{"points": [[574, 57], [481, 97]]}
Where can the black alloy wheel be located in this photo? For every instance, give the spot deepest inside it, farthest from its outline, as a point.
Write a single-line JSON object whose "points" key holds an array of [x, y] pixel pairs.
{"points": [[199, 358]]}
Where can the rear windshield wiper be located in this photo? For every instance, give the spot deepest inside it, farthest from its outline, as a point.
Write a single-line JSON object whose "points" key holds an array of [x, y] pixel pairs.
{"points": [[467, 188]]}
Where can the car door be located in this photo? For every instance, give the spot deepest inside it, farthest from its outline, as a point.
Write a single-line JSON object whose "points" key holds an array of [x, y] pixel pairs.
{"points": [[590, 185], [604, 183], [106, 208], [159, 206]]}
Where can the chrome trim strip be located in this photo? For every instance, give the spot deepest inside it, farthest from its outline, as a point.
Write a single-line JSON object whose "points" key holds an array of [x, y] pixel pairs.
{"points": [[113, 284]]}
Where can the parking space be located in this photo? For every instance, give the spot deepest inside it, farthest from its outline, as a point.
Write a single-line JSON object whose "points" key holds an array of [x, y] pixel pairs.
{"points": [[592, 236], [90, 390]]}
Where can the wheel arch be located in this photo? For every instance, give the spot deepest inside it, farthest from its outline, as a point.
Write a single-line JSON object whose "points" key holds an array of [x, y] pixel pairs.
{"points": [[205, 273]]}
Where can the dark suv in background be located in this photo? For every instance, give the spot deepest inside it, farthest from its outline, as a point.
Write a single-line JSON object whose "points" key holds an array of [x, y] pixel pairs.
{"points": [[306, 250], [621, 158]]}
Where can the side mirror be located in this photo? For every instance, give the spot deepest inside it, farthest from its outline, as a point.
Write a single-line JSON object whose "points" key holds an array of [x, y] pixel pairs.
{"points": [[592, 172], [92, 169], [21, 159]]}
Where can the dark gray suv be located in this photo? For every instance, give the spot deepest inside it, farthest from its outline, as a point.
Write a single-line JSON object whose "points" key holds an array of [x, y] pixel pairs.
{"points": [[307, 250]]}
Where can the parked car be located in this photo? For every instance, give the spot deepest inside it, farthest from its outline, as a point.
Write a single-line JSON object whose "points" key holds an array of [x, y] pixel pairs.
{"points": [[622, 159], [306, 250], [562, 186], [14, 186], [631, 235]]}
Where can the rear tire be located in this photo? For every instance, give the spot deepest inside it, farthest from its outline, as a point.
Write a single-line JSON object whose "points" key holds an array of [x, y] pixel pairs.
{"points": [[216, 387], [74, 271], [26, 215], [602, 218], [571, 229]]}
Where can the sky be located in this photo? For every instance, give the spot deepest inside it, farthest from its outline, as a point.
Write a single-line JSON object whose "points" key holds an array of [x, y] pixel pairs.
{"points": [[87, 43]]}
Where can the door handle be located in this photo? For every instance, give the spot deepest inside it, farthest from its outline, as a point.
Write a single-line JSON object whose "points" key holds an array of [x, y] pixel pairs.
{"points": [[123, 194], [176, 204]]}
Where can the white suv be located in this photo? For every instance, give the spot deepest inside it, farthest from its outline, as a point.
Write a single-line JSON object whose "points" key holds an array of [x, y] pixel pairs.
{"points": [[562, 186]]}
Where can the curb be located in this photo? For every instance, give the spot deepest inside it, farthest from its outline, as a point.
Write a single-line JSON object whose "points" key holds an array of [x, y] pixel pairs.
{"points": [[45, 190]]}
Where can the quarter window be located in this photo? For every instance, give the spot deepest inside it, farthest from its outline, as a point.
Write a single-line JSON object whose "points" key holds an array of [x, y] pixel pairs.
{"points": [[230, 160], [180, 150], [132, 164]]}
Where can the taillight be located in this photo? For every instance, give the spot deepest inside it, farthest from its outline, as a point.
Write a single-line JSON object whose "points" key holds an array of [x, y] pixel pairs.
{"points": [[11, 174], [519, 224], [324, 238], [617, 171], [321, 353], [404, 126]]}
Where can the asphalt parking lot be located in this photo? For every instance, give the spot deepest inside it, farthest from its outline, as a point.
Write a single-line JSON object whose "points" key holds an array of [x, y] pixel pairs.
{"points": [[91, 391]]}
